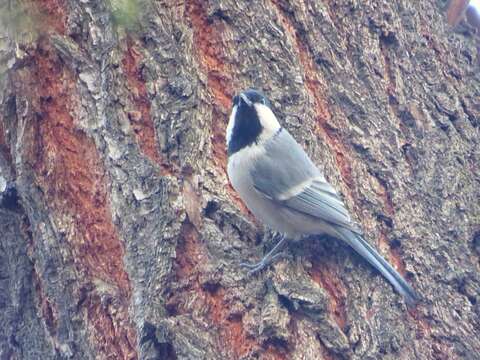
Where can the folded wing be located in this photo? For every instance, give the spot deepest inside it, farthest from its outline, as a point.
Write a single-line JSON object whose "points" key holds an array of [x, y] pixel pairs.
{"points": [[287, 175]]}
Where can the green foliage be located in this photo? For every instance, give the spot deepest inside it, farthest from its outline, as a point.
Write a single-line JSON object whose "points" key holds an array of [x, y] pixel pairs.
{"points": [[126, 13], [17, 22]]}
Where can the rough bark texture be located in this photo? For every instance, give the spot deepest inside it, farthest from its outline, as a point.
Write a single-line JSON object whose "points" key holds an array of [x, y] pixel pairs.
{"points": [[121, 237]]}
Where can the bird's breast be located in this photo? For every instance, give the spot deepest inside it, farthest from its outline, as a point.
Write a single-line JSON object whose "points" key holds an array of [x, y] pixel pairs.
{"points": [[272, 213], [266, 210]]}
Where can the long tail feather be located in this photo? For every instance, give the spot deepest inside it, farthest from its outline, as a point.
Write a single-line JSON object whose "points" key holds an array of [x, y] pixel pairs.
{"points": [[376, 260]]}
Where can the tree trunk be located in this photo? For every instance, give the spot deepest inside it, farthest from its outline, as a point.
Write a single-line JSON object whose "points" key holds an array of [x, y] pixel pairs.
{"points": [[121, 237]]}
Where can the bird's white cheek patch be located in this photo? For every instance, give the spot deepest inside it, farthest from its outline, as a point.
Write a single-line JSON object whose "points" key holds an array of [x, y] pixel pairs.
{"points": [[268, 120], [231, 123]]}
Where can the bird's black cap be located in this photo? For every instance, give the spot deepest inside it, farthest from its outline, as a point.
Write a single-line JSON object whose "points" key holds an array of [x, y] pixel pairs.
{"points": [[247, 127]]}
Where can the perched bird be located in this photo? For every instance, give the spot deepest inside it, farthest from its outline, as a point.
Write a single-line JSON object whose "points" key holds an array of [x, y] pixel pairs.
{"points": [[284, 189]]}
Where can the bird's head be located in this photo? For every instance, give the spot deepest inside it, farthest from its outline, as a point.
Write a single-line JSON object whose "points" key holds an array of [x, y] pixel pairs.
{"points": [[251, 121]]}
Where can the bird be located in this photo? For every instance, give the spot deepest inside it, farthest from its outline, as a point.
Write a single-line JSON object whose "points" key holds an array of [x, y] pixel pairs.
{"points": [[282, 187]]}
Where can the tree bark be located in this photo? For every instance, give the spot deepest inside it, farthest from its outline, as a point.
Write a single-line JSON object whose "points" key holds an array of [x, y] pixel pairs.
{"points": [[121, 237]]}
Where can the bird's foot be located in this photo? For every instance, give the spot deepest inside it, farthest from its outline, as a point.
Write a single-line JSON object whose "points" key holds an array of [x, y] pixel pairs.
{"points": [[262, 264], [271, 256]]}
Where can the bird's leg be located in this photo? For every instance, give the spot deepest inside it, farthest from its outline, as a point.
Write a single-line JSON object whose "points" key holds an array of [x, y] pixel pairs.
{"points": [[271, 256]]}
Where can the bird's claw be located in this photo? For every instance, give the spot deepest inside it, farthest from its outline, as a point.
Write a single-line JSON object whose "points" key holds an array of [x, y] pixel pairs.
{"points": [[249, 265], [254, 268]]}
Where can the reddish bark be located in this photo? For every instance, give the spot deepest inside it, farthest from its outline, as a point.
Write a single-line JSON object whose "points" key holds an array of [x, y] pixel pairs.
{"points": [[140, 119], [322, 275], [190, 261], [71, 174]]}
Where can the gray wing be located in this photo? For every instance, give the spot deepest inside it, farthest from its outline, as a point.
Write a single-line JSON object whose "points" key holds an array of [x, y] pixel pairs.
{"points": [[286, 175]]}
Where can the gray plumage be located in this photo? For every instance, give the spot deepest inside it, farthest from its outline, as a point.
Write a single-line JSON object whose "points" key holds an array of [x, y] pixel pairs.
{"points": [[283, 188], [318, 199]]}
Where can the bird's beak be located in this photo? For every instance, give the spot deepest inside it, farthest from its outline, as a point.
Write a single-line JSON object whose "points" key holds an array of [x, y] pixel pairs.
{"points": [[245, 99]]}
